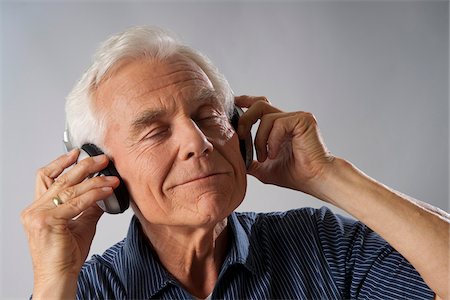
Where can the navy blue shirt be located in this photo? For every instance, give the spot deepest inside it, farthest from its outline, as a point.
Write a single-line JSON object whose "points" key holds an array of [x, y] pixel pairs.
{"points": [[299, 254]]}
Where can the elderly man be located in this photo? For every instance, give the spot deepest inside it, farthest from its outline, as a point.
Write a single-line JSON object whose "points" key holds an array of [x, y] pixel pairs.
{"points": [[160, 111]]}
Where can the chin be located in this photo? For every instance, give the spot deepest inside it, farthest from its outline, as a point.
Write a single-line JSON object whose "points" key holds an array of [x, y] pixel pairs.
{"points": [[211, 210]]}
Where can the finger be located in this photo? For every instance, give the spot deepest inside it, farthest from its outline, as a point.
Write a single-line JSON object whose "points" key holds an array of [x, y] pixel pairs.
{"points": [[42, 185], [46, 175], [294, 124], [247, 101], [277, 136], [253, 114], [75, 206], [79, 172], [262, 134], [93, 183]]}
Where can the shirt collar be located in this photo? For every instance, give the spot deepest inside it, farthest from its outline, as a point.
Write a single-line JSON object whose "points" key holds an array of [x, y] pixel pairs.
{"points": [[141, 262], [143, 265], [242, 251]]}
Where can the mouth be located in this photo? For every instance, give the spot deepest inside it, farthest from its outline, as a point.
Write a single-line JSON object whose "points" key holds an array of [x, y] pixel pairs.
{"points": [[201, 178]]}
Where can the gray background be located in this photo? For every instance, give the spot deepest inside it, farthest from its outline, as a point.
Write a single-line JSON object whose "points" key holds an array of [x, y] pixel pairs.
{"points": [[375, 74]]}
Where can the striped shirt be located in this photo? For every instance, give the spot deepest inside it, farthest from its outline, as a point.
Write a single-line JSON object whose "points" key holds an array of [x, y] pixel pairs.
{"points": [[299, 254]]}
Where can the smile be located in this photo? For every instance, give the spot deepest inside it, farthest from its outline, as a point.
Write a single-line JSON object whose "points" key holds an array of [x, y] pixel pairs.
{"points": [[202, 178]]}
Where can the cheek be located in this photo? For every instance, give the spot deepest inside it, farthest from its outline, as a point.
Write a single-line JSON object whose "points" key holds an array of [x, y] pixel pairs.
{"points": [[226, 130], [146, 174], [228, 141], [228, 146], [221, 133], [143, 173]]}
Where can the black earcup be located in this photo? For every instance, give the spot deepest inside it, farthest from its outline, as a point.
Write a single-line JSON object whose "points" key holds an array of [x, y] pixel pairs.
{"points": [[245, 145], [119, 201]]}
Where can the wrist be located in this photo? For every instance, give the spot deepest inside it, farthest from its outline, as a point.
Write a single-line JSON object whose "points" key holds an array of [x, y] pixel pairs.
{"points": [[339, 182], [55, 287], [348, 188]]}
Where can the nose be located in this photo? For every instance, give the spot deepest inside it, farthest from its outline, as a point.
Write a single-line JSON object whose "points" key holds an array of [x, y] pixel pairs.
{"points": [[193, 142]]}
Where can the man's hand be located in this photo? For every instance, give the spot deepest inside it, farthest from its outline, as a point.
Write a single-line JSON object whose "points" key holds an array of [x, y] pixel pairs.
{"points": [[290, 151], [60, 236]]}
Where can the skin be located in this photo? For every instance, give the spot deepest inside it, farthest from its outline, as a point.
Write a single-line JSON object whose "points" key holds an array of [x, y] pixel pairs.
{"points": [[183, 167], [179, 146]]}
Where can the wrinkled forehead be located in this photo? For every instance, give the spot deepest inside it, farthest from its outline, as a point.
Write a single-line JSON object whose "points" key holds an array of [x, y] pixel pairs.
{"points": [[149, 81], [149, 74]]}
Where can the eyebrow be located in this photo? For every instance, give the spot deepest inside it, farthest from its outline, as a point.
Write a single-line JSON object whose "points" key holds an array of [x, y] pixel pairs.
{"points": [[151, 115], [143, 120], [206, 94]]}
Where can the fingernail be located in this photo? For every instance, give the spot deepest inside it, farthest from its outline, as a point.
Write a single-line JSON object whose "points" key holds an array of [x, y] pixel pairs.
{"points": [[72, 151], [106, 188], [110, 178], [99, 158]]}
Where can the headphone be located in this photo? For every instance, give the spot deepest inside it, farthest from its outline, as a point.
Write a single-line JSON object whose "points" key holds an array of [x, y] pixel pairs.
{"points": [[119, 201]]}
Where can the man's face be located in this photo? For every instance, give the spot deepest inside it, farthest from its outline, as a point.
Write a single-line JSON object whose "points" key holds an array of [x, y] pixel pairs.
{"points": [[171, 142]]}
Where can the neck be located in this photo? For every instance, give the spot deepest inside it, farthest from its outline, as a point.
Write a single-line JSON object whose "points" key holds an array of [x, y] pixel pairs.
{"points": [[193, 256]]}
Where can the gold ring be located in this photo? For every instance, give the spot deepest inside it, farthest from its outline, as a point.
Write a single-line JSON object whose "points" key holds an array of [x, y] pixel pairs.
{"points": [[57, 201]]}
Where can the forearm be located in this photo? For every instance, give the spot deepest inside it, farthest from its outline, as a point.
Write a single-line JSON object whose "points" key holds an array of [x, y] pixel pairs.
{"points": [[418, 231]]}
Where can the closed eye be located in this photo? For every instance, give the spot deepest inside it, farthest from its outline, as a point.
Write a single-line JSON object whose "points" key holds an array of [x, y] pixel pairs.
{"points": [[207, 114], [206, 118], [210, 120], [157, 133]]}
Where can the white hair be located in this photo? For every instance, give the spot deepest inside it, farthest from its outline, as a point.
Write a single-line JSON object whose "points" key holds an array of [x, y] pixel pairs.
{"points": [[84, 124]]}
